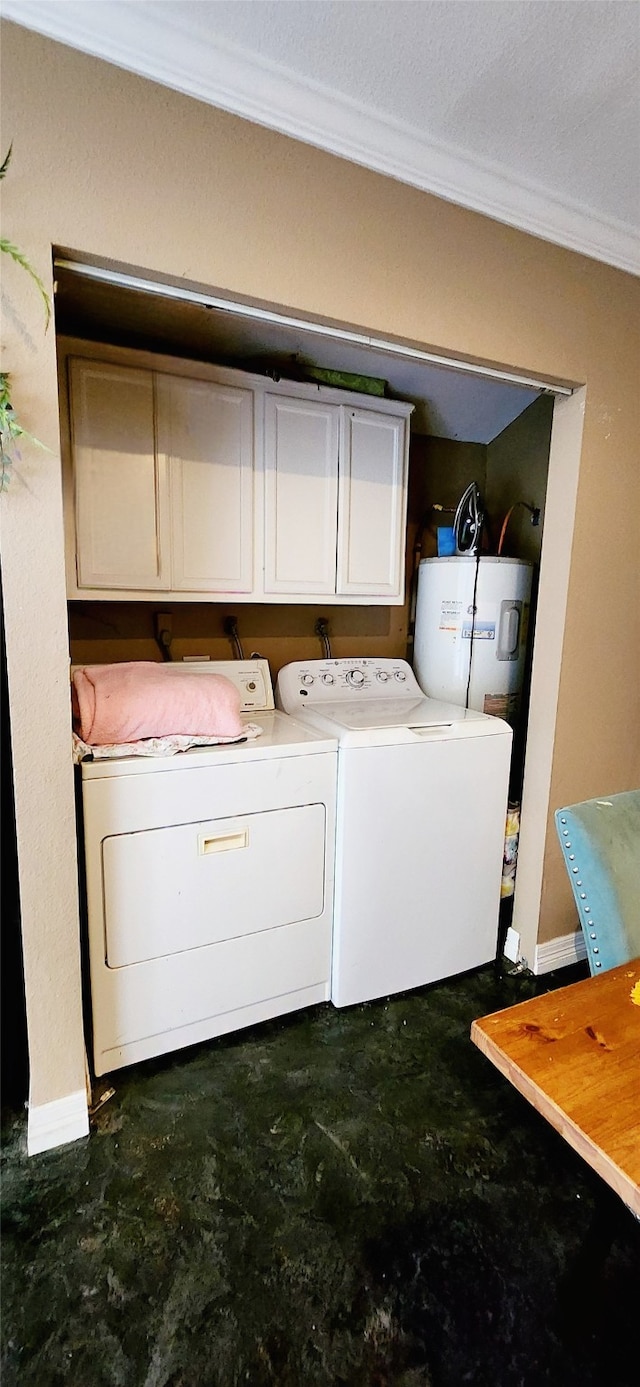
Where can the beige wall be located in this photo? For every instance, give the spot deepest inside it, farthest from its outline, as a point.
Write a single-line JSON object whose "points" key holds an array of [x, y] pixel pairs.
{"points": [[120, 169]]}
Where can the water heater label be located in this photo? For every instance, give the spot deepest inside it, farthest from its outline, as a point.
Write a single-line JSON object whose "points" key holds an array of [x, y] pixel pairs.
{"points": [[450, 613], [482, 631]]}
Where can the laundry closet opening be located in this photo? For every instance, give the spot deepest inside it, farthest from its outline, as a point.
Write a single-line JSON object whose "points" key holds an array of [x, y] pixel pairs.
{"points": [[465, 424]]}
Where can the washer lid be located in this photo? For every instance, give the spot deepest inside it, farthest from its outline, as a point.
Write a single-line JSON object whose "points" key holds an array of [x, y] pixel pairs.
{"points": [[391, 712], [392, 722]]}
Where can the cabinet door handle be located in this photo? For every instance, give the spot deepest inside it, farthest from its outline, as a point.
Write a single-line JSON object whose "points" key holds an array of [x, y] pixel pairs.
{"points": [[222, 842]]}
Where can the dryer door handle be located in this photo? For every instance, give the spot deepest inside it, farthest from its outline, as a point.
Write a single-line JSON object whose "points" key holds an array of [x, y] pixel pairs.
{"points": [[222, 842]]}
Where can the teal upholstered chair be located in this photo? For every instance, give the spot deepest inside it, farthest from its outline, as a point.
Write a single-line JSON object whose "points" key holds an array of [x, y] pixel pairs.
{"points": [[600, 841]]}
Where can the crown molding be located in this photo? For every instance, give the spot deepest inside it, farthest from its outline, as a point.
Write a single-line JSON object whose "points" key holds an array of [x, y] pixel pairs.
{"points": [[157, 43]]}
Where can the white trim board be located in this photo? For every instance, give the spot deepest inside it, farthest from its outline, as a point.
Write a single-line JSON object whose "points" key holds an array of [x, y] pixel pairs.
{"points": [[553, 588], [559, 953], [54, 1124], [181, 293], [157, 44]]}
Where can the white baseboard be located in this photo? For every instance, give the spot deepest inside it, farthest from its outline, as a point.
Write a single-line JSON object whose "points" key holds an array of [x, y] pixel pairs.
{"points": [[53, 1124], [512, 945], [559, 952]]}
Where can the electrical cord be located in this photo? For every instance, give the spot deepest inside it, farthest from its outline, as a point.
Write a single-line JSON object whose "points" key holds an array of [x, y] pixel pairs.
{"points": [[321, 629], [230, 627], [535, 520], [473, 620], [164, 640]]}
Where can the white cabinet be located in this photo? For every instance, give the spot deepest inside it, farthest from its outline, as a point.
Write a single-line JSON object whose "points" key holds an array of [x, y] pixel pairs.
{"points": [[163, 481], [201, 481], [118, 483], [301, 439], [372, 504], [335, 499], [205, 437]]}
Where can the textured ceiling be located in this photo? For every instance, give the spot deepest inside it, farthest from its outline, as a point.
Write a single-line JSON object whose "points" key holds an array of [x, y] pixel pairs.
{"points": [[547, 88], [527, 110]]}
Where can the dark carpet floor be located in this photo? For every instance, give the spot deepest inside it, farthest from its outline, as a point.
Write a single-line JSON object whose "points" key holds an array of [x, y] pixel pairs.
{"points": [[338, 1199]]}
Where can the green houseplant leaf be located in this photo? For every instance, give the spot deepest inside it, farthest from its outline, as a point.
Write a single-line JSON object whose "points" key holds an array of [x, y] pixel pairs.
{"points": [[9, 249], [11, 432]]}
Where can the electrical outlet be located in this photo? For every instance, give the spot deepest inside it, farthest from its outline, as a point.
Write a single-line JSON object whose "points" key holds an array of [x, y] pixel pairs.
{"points": [[163, 621], [163, 631]]}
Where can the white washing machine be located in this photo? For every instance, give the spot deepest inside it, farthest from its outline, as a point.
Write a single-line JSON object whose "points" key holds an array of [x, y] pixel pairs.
{"points": [[422, 800], [209, 879]]}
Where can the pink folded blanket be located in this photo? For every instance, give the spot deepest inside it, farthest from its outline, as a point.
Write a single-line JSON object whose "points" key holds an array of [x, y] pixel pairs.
{"points": [[138, 699]]}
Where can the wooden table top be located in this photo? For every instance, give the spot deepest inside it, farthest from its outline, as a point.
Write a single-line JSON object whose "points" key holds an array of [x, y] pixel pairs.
{"points": [[575, 1055]]}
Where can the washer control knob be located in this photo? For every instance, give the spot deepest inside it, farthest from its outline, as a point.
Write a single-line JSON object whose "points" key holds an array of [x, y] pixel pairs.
{"points": [[327, 678], [400, 675], [355, 676], [307, 679], [382, 676]]}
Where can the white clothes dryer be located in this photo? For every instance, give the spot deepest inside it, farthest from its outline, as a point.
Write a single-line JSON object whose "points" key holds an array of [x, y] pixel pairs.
{"points": [[209, 881], [422, 800]]}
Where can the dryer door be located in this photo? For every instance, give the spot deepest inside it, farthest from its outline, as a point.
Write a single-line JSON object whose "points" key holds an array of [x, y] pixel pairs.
{"points": [[167, 890]]}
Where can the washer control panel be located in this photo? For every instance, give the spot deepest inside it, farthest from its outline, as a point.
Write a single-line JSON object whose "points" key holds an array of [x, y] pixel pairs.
{"points": [[326, 681]]}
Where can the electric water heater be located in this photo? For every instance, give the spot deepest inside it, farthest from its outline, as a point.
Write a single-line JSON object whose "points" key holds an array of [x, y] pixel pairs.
{"points": [[472, 621]]}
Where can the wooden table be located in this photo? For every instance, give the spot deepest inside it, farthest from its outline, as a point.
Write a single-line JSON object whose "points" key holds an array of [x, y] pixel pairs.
{"points": [[575, 1055]]}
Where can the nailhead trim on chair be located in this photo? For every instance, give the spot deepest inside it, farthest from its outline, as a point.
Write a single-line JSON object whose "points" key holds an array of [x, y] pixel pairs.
{"points": [[589, 923]]}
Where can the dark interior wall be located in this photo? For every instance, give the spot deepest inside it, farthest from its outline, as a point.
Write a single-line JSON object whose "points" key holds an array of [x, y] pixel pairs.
{"points": [[440, 470], [517, 470], [104, 631]]}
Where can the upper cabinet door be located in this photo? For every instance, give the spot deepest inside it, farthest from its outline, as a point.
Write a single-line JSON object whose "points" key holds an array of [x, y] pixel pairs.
{"points": [[372, 503], [301, 439], [205, 434], [117, 484]]}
